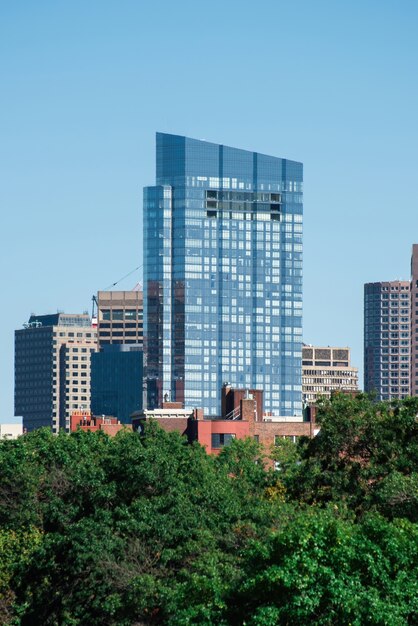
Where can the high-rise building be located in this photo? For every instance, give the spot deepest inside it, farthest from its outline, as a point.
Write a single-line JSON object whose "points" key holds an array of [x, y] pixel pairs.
{"points": [[325, 370], [117, 381], [119, 318], [223, 276], [116, 369], [414, 321], [52, 369], [387, 323]]}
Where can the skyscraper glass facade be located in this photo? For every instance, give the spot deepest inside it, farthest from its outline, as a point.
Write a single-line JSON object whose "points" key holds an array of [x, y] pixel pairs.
{"points": [[116, 381], [223, 275]]}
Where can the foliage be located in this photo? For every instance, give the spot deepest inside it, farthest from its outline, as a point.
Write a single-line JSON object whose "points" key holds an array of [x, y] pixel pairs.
{"points": [[16, 550], [323, 569], [146, 529], [364, 451]]}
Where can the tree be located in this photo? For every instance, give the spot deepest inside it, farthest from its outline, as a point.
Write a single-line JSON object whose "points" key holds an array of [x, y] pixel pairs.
{"points": [[147, 529], [320, 568], [360, 445]]}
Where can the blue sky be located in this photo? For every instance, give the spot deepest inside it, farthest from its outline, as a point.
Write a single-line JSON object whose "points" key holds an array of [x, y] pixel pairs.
{"points": [[85, 86]]}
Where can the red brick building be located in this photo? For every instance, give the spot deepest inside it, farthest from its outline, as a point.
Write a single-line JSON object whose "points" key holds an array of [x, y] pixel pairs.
{"points": [[84, 420], [242, 417]]}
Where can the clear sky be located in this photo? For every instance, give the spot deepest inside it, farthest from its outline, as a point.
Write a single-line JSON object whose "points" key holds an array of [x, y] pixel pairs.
{"points": [[84, 86]]}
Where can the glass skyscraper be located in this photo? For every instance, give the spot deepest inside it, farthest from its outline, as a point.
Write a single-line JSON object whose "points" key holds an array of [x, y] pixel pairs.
{"points": [[223, 276], [116, 381]]}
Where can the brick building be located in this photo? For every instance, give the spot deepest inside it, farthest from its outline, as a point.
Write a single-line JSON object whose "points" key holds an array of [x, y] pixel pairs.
{"points": [[84, 420], [242, 417]]}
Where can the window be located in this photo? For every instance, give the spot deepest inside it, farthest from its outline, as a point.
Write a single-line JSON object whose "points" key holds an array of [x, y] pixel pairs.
{"points": [[219, 440]]}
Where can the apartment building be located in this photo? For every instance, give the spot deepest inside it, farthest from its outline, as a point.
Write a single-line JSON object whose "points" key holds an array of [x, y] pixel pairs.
{"points": [[387, 339]]}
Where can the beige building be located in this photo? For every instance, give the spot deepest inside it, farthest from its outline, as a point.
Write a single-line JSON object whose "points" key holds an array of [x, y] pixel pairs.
{"points": [[52, 369], [119, 318], [10, 431], [325, 370]]}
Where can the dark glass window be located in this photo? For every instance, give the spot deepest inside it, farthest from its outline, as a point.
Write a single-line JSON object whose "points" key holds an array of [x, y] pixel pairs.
{"points": [[219, 440]]}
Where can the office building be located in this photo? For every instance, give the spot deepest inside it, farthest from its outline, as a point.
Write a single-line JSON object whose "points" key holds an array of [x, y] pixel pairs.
{"points": [[52, 369], [116, 374], [117, 381], [326, 370], [223, 276], [387, 339], [414, 321], [119, 318]]}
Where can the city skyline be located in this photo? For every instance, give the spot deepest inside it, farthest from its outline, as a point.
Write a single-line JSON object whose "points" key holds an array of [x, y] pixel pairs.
{"points": [[330, 86]]}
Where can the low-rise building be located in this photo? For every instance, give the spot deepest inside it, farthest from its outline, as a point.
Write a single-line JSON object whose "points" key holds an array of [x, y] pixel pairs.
{"points": [[242, 417], [11, 431], [85, 420]]}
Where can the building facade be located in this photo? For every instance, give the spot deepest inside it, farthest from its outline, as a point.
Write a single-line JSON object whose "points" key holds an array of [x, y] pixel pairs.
{"points": [[117, 381], [245, 420], [117, 374], [85, 420], [11, 431], [119, 318], [223, 276], [326, 370], [52, 369], [387, 339], [414, 321]]}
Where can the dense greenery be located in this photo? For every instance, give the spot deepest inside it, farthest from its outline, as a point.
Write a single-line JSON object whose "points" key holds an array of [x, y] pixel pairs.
{"points": [[150, 530]]}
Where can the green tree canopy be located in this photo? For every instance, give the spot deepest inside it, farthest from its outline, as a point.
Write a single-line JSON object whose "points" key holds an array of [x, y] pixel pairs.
{"points": [[147, 529]]}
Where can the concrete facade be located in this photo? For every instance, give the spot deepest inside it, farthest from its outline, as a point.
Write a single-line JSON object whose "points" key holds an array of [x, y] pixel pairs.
{"points": [[326, 370], [10, 431], [119, 318], [52, 369]]}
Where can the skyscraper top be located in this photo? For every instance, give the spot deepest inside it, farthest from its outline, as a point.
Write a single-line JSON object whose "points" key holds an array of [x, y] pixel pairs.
{"points": [[60, 319], [226, 167]]}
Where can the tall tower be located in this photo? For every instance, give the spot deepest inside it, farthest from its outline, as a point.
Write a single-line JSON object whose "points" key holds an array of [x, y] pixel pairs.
{"points": [[387, 339], [223, 275], [52, 369], [414, 320]]}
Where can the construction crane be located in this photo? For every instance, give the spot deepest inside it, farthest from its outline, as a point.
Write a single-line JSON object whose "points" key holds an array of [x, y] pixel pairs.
{"points": [[95, 304]]}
